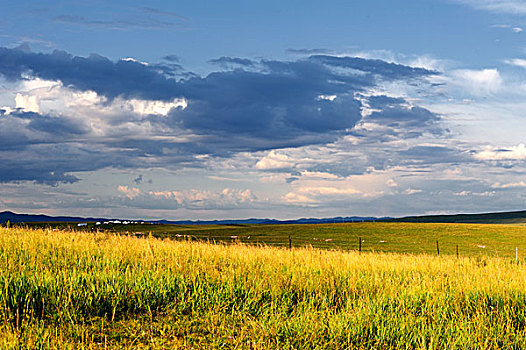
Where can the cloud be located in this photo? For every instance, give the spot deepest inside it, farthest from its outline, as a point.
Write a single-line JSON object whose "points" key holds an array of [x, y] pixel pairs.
{"points": [[517, 7], [479, 82], [383, 69], [27, 103], [391, 183], [399, 120], [509, 185], [411, 191], [138, 180], [329, 191], [497, 154], [127, 79], [171, 58], [144, 17], [129, 114], [433, 154], [154, 11], [275, 160], [476, 194], [227, 198], [129, 192], [507, 26], [296, 198], [232, 61], [519, 62], [307, 52]]}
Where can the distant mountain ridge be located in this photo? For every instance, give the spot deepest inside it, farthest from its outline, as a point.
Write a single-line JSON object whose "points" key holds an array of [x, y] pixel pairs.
{"points": [[14, 217], [512, 217], [509, 217], [19, 218]]}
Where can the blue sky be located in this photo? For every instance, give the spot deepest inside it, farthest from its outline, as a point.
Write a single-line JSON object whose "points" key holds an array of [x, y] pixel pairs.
{"points": [[236, 109]]}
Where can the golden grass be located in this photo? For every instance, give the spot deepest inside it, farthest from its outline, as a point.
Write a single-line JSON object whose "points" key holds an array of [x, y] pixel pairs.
{"points": [[95, 290]]}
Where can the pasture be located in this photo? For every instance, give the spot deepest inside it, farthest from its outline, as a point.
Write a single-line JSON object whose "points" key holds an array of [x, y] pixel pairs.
{"points": [[408, 238], [85, 289]]}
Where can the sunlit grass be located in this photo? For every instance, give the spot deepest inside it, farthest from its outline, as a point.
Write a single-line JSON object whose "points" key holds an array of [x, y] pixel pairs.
{"points": [[387, 237], [94, 290]]}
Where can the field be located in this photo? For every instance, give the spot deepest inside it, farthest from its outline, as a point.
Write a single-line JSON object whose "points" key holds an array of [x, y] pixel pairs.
{"points": [[66, 289], [412, 238]]}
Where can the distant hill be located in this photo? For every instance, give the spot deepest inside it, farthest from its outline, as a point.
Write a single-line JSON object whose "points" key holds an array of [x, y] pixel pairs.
{"points": [[13, 217], [18, 218], [512, 217], [273, 221]]}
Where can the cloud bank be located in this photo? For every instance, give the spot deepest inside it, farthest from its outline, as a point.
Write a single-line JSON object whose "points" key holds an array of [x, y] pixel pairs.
{"points": [[75, 114]]}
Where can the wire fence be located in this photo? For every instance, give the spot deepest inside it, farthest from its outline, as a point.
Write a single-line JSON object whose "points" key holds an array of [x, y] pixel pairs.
{"points": [[468, 242], [358, 244]]}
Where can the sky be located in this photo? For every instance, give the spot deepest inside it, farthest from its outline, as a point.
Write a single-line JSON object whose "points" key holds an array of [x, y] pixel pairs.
{"points": [[262, 109]]}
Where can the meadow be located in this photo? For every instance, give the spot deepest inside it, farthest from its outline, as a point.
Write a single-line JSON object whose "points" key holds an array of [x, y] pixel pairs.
{"points": [[95, 290], [388, 237]]}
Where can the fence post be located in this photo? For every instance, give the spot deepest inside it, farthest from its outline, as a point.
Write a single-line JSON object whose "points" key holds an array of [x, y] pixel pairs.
{"points": [[457, 251], [290, 242], [359, 244], [517, 254], [438, 250]]}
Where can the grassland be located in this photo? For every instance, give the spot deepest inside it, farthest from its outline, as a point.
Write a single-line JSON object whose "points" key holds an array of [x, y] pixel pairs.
{"points": [[63, 289], [412, 238]]}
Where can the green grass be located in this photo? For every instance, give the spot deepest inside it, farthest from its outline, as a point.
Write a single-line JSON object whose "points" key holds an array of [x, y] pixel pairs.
{"points": [[72, 290], [412, 238]]}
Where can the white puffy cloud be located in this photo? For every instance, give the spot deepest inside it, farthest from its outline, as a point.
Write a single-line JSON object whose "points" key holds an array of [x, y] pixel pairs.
{"points": [[148, 107], [519, 62], [328, 191], [130, 192], [391, 183], [479, 82], [297, 198], [511, 153], [275, 160], [27, 103], [509, 185], [45, 96], [131, 59], [309, 195], [189, 199]]}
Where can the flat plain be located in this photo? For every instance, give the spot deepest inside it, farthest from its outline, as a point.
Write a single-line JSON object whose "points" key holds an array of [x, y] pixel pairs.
{"points": [[393, 237], [178, 289]]}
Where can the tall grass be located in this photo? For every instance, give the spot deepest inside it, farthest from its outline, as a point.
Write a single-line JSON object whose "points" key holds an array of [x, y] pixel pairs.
{"points": [[94, 290]]}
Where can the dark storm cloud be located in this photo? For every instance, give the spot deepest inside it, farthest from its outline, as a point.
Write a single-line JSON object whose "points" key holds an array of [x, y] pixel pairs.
{"points": [[280, 108], [19, 121], [96, 73], [56, 126], [52, 161], [172, 58], [138, 180], [227, 61], [383, 69], [275, 104], [406, 122]]}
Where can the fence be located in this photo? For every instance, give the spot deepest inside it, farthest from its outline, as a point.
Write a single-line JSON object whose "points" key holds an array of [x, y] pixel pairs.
{"points": [[360, 245]]}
